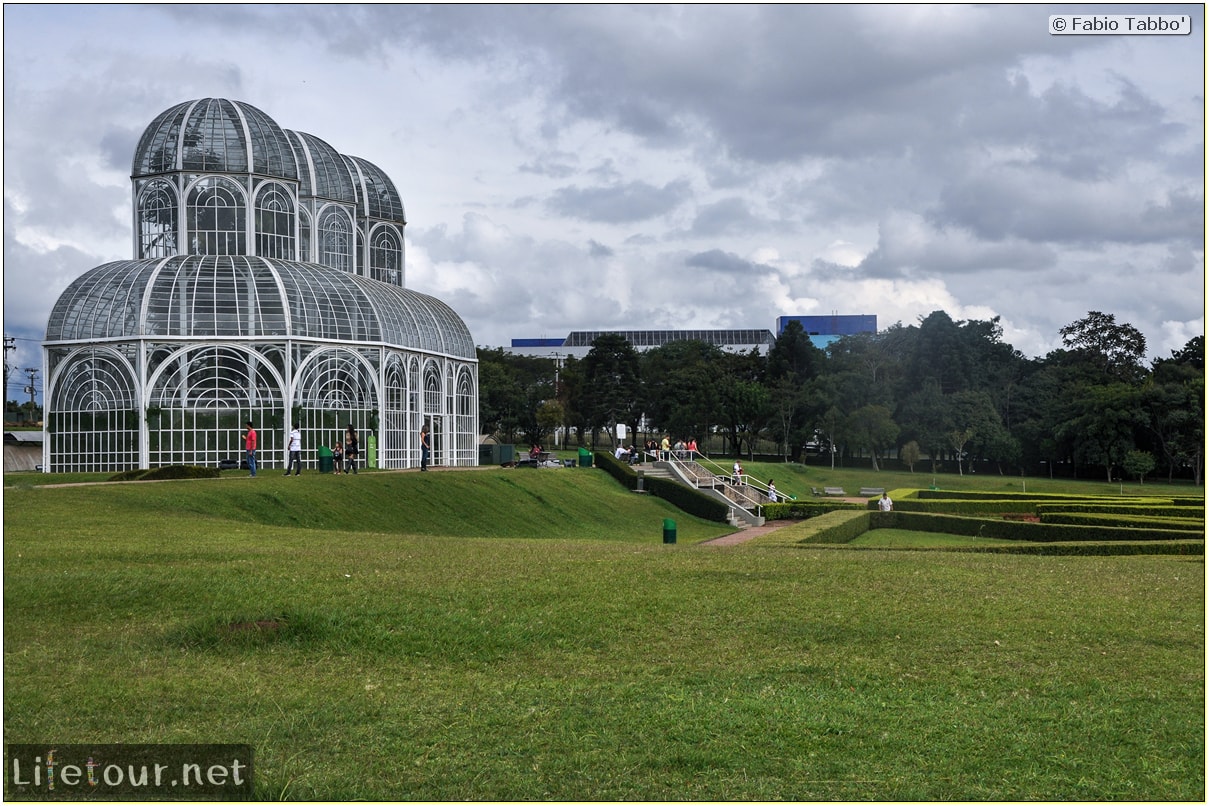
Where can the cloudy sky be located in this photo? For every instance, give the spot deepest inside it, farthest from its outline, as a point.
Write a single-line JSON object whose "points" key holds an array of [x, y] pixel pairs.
{"points": [[593, 167]]}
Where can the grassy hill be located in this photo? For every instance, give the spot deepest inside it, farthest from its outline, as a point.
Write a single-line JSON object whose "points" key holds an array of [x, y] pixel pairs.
{"points": [[491, 502], [525, 635]]}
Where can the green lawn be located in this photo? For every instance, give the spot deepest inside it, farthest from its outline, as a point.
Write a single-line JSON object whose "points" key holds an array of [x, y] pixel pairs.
{"points": [[525, 635]]}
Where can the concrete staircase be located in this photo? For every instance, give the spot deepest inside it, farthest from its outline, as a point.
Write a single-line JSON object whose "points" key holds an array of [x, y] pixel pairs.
{"points": [[744, 503]]}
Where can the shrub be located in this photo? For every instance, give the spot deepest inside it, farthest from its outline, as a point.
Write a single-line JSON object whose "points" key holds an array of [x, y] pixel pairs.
{"points": [[182, 472], [128, 475], [166, 473]]}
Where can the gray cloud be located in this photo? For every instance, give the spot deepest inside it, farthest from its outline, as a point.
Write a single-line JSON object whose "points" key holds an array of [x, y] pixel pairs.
{"points": [[625, 203]]}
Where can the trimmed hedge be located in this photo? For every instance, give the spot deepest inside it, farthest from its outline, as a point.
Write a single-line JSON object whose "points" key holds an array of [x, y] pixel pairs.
{"points": [[676, 494], [963, 506], [1133, 522], [833, 527], [1153, 510], [801, 510], [1020, 530]]}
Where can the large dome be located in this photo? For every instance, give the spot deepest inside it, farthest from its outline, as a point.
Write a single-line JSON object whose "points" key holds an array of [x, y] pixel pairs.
{"points": [[200, 296], [214, 135]]}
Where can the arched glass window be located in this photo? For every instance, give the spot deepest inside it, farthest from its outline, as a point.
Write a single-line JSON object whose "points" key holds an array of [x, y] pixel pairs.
{"points": [[158, 211], [216, 218], [386, 256], [274, 223], [335, 240], [304, 236], [432, 389]]}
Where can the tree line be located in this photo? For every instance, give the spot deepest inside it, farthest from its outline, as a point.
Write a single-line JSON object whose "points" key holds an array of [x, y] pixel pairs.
{"points": [[947, 391]]}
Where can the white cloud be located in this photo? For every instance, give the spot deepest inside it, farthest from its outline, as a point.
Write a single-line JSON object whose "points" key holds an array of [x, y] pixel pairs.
{"points": [[572, 167]]}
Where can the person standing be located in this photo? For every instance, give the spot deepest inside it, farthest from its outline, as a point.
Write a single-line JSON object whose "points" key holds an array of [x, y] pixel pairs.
{"points": [[737, 474], [772, 492], [425, 448], [249, 444], [295, 448], [885, 504], [665, 446], [351, 449]]}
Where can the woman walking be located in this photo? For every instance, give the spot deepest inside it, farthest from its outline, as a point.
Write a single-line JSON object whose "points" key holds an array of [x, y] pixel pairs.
{"points": [[351, 449]]}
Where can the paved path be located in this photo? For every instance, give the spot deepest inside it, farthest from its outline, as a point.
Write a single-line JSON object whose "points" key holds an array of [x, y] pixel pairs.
{"points": [[743, 535]]}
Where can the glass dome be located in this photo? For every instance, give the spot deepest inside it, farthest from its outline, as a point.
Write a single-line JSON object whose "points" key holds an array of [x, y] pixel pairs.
{"points": [[376, 194], [322, 171], [238, 297], [214, 134]]}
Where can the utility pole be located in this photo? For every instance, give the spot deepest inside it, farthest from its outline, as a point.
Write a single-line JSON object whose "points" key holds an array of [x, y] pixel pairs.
{"points": [[31, 372], [10, 344]]}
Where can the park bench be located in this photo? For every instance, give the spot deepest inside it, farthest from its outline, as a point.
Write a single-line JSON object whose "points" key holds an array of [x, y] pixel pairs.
{"points": [[866, 491], [834, 491]]}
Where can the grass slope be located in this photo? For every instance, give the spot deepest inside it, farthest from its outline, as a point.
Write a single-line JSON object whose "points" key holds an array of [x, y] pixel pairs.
{"points": [[411, 653]]}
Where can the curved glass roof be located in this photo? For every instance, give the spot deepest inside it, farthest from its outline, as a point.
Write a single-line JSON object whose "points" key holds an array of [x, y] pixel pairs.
{"points": [[376, 194], [214, 134], [321, 169], [199, 296]]}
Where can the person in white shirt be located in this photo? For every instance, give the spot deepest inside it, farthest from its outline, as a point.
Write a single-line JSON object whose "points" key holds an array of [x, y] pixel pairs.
{"points": [[885, 504], [772, 492], [295, 449]]}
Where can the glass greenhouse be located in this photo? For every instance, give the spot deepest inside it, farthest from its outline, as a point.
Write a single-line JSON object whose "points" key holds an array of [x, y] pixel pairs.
{"points": [[268, 286]]}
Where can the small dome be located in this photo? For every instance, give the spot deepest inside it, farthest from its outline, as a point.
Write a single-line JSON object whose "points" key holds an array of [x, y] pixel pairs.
{"points": [[376, 194], [321, 169], [214, 135], [198, 296]]}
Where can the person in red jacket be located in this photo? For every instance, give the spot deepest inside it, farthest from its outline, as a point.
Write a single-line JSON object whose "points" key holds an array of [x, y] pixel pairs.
{"points": [[249, 443]]}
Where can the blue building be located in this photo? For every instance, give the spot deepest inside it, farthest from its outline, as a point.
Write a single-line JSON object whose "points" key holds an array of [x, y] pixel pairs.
{"points": [[823, 330]]}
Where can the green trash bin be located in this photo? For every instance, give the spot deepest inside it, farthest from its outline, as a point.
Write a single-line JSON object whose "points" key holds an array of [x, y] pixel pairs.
{"points": [[669, 530], [327, 462], [585, 457]]}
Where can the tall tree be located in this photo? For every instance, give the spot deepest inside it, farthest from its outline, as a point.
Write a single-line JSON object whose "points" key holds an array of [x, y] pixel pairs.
{"points": [[871, 427], [743, 399], [680, 388], [612, 384], [1107, 419], [1116, 350]]}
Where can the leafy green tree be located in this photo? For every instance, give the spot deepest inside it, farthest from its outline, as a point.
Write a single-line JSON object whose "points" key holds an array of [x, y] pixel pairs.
{"points": [[612, 384], [500, 395], [793, 361], [571, 388], [830, 424], [794, 354], [1116, 350], [940, 355], [909, 454], [978, 427], [680, 389], [1105, 423], [1174, 400], [925, 418], [1138, 464], [872, 428], [743, 399]]}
